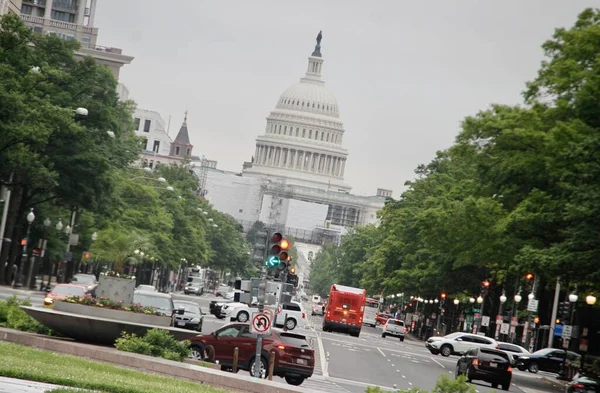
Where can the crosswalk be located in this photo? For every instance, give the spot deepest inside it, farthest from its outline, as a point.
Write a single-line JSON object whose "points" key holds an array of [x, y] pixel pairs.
{"points": [[320, 384]]}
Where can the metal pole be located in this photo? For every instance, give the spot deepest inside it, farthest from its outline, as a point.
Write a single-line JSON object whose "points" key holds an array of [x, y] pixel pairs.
{"points": [[68, 246], [554, 312], [5, 213], [257, 362], [23, 255]]}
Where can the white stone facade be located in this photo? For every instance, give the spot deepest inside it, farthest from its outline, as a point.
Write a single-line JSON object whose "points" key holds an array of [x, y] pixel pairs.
{"points": [[302, 143], [151, 126]]}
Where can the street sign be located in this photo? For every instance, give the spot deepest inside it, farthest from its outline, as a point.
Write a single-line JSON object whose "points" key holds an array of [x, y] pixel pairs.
{"points": [[261, 323], [271, 313], [532, 305], [567, 331], [558, 330], [485, 321], [504, 328]]}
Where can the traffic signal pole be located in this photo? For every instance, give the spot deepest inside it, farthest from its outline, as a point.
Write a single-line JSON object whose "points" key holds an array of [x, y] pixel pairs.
{"points": [[554, 313]]}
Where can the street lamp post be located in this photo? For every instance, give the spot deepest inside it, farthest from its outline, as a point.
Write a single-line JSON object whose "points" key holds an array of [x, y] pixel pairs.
{"points": [[30, 219]]}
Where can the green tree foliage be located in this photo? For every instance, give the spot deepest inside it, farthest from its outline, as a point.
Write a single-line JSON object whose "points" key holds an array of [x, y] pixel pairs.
{"points": [[517, 192]]}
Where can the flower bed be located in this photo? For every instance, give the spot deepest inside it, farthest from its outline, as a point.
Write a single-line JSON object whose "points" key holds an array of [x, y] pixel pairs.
{"points": [[105, 303]]}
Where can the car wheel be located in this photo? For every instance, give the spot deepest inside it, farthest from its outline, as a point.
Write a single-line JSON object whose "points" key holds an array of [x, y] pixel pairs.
{"points": [[469, 374], [290, 324], [242, 316], [534, 368], [295, 381], [383, 335], [494, 386], [505, 386], [446, 350], [263, 368], [198, 352], [457, 373], [522, 368], [402, 339]]}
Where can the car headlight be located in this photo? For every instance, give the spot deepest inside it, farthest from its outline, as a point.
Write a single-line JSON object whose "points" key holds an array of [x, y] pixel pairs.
{"points": [[195, 320], [48, 300]]}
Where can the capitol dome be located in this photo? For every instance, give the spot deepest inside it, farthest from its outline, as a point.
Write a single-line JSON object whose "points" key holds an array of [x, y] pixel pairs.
{"points": [[309, 97], [302, 144]]}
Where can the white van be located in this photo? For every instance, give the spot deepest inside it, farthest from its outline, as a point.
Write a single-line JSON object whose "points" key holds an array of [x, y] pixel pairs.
{"points": [[316, 299]]}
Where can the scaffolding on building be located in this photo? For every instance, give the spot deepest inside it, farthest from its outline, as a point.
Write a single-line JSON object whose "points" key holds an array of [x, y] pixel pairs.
{"points": [[202, 174]]}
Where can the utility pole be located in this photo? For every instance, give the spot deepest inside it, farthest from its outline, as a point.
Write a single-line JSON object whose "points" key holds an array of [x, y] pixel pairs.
{"points": [[554, 312]]}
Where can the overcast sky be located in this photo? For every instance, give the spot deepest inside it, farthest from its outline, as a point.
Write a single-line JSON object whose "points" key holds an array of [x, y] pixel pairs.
{"points": [[404, 73]]}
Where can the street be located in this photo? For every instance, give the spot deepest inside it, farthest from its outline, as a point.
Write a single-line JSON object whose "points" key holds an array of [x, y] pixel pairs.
{"points": [[11, 385], [350, 364]]}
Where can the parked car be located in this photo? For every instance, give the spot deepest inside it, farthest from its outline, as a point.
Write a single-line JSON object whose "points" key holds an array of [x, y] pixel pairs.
{"points": [[161, 302], [224, 290], [215, 309], [583, 383], [150, 288], [294, 358], [485, 364], [513, 351], [458, 343], [87, 280], [381, 318], [192, 317], [547, 359], [61, 291], [240, 312], [394, 327]]}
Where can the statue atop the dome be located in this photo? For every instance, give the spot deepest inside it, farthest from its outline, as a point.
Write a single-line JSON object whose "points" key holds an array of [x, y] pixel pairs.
{"points": [[317, 51]]}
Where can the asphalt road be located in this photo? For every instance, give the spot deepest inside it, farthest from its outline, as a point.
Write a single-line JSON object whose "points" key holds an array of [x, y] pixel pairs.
{"points": [[353, 363]]}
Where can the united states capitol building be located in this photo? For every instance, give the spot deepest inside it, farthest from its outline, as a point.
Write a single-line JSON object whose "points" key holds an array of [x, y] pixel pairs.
{"points": [[295, 179]]}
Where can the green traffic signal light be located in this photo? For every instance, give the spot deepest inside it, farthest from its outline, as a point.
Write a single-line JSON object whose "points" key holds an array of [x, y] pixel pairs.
{"points": [[272, 261]]}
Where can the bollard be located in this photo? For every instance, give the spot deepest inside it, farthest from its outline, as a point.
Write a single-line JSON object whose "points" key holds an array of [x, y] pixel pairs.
{"points": [[236, 352], [271, 365]]}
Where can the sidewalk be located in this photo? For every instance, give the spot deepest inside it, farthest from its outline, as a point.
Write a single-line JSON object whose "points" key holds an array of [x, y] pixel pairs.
{"points": [[11, 385]]}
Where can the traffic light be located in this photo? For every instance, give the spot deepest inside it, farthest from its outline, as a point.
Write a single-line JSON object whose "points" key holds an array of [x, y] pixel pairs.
{"points": [[293, 270], [278, 254], [443, 296], [564, 311], [260, 246], [485, 286], [23, 242], [529, 276]]}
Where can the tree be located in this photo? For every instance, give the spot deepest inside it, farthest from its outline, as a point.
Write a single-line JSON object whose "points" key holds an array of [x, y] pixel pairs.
{"points": [[118, 247]]}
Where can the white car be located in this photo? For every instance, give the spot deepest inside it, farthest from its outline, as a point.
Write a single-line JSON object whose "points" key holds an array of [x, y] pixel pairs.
{"points": [[240, 312], [292, 315], [513, 351], [458, 343]]}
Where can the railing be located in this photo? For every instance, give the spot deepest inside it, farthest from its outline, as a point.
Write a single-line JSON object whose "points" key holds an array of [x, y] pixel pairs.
{"points": [[32, 19]]}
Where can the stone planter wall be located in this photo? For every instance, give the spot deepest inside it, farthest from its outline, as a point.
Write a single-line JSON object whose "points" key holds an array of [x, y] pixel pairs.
{"points": [[124, 316], [116, 289]]}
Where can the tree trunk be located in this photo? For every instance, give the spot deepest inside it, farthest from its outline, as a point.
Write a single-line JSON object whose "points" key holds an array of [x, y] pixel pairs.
{"points": [[10, 230]]}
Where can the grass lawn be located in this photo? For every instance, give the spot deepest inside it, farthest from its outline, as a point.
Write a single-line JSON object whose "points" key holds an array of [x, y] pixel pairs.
{"points": [[22, 362]]}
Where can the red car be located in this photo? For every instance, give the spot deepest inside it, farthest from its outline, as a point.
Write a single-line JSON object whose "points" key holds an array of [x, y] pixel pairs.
{"points": [[382, 318], [294, 358]]}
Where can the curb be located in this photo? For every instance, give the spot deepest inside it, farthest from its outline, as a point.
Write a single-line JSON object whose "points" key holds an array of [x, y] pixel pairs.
{"points": [[203, 375]]}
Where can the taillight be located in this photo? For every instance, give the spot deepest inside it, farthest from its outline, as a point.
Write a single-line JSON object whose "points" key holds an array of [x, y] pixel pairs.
{"points": [[280, 347], [509, 369], [496, 347], [475, 362], [579, 386], [303, 315]]}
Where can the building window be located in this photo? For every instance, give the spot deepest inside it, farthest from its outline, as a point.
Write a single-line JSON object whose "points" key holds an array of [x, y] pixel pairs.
{"points": [[321, 136], [176, 150], [241, 211], [62, 16], [144, 143], [297, 131], [317, 135], [310, 134], [187, 153], [26, 9], [147, 125], [304, 133], [156, 147], [136, 124]]}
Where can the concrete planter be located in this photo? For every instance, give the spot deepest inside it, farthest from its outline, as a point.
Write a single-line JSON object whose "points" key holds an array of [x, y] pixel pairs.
{"points": [[116, 289], [106, 313]]}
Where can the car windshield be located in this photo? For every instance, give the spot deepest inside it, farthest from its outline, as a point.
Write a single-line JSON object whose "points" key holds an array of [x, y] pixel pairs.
{"points": [[395, 322], [494, 353], [68, 290], [295, 340], [160, 303], [194, 281], [189, 308], [453, 335], [81, 279]]}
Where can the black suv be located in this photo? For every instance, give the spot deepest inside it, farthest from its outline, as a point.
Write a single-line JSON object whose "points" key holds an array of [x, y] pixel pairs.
{"points": [[485, 364]]}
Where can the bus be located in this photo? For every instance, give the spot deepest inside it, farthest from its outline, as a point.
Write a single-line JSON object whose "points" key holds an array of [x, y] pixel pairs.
{"points": [[345, 310], [371, 310]]}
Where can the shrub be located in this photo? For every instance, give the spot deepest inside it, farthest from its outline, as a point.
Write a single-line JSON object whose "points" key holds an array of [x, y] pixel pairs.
{"points": [[12, 317], [157, 343], [443, 385]]}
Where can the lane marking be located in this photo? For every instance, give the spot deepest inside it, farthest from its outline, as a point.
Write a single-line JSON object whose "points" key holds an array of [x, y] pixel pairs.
{"points": [[393, 365], [381, 352], [439, 364], [324, 365], [404, 376], [410, 383]]}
